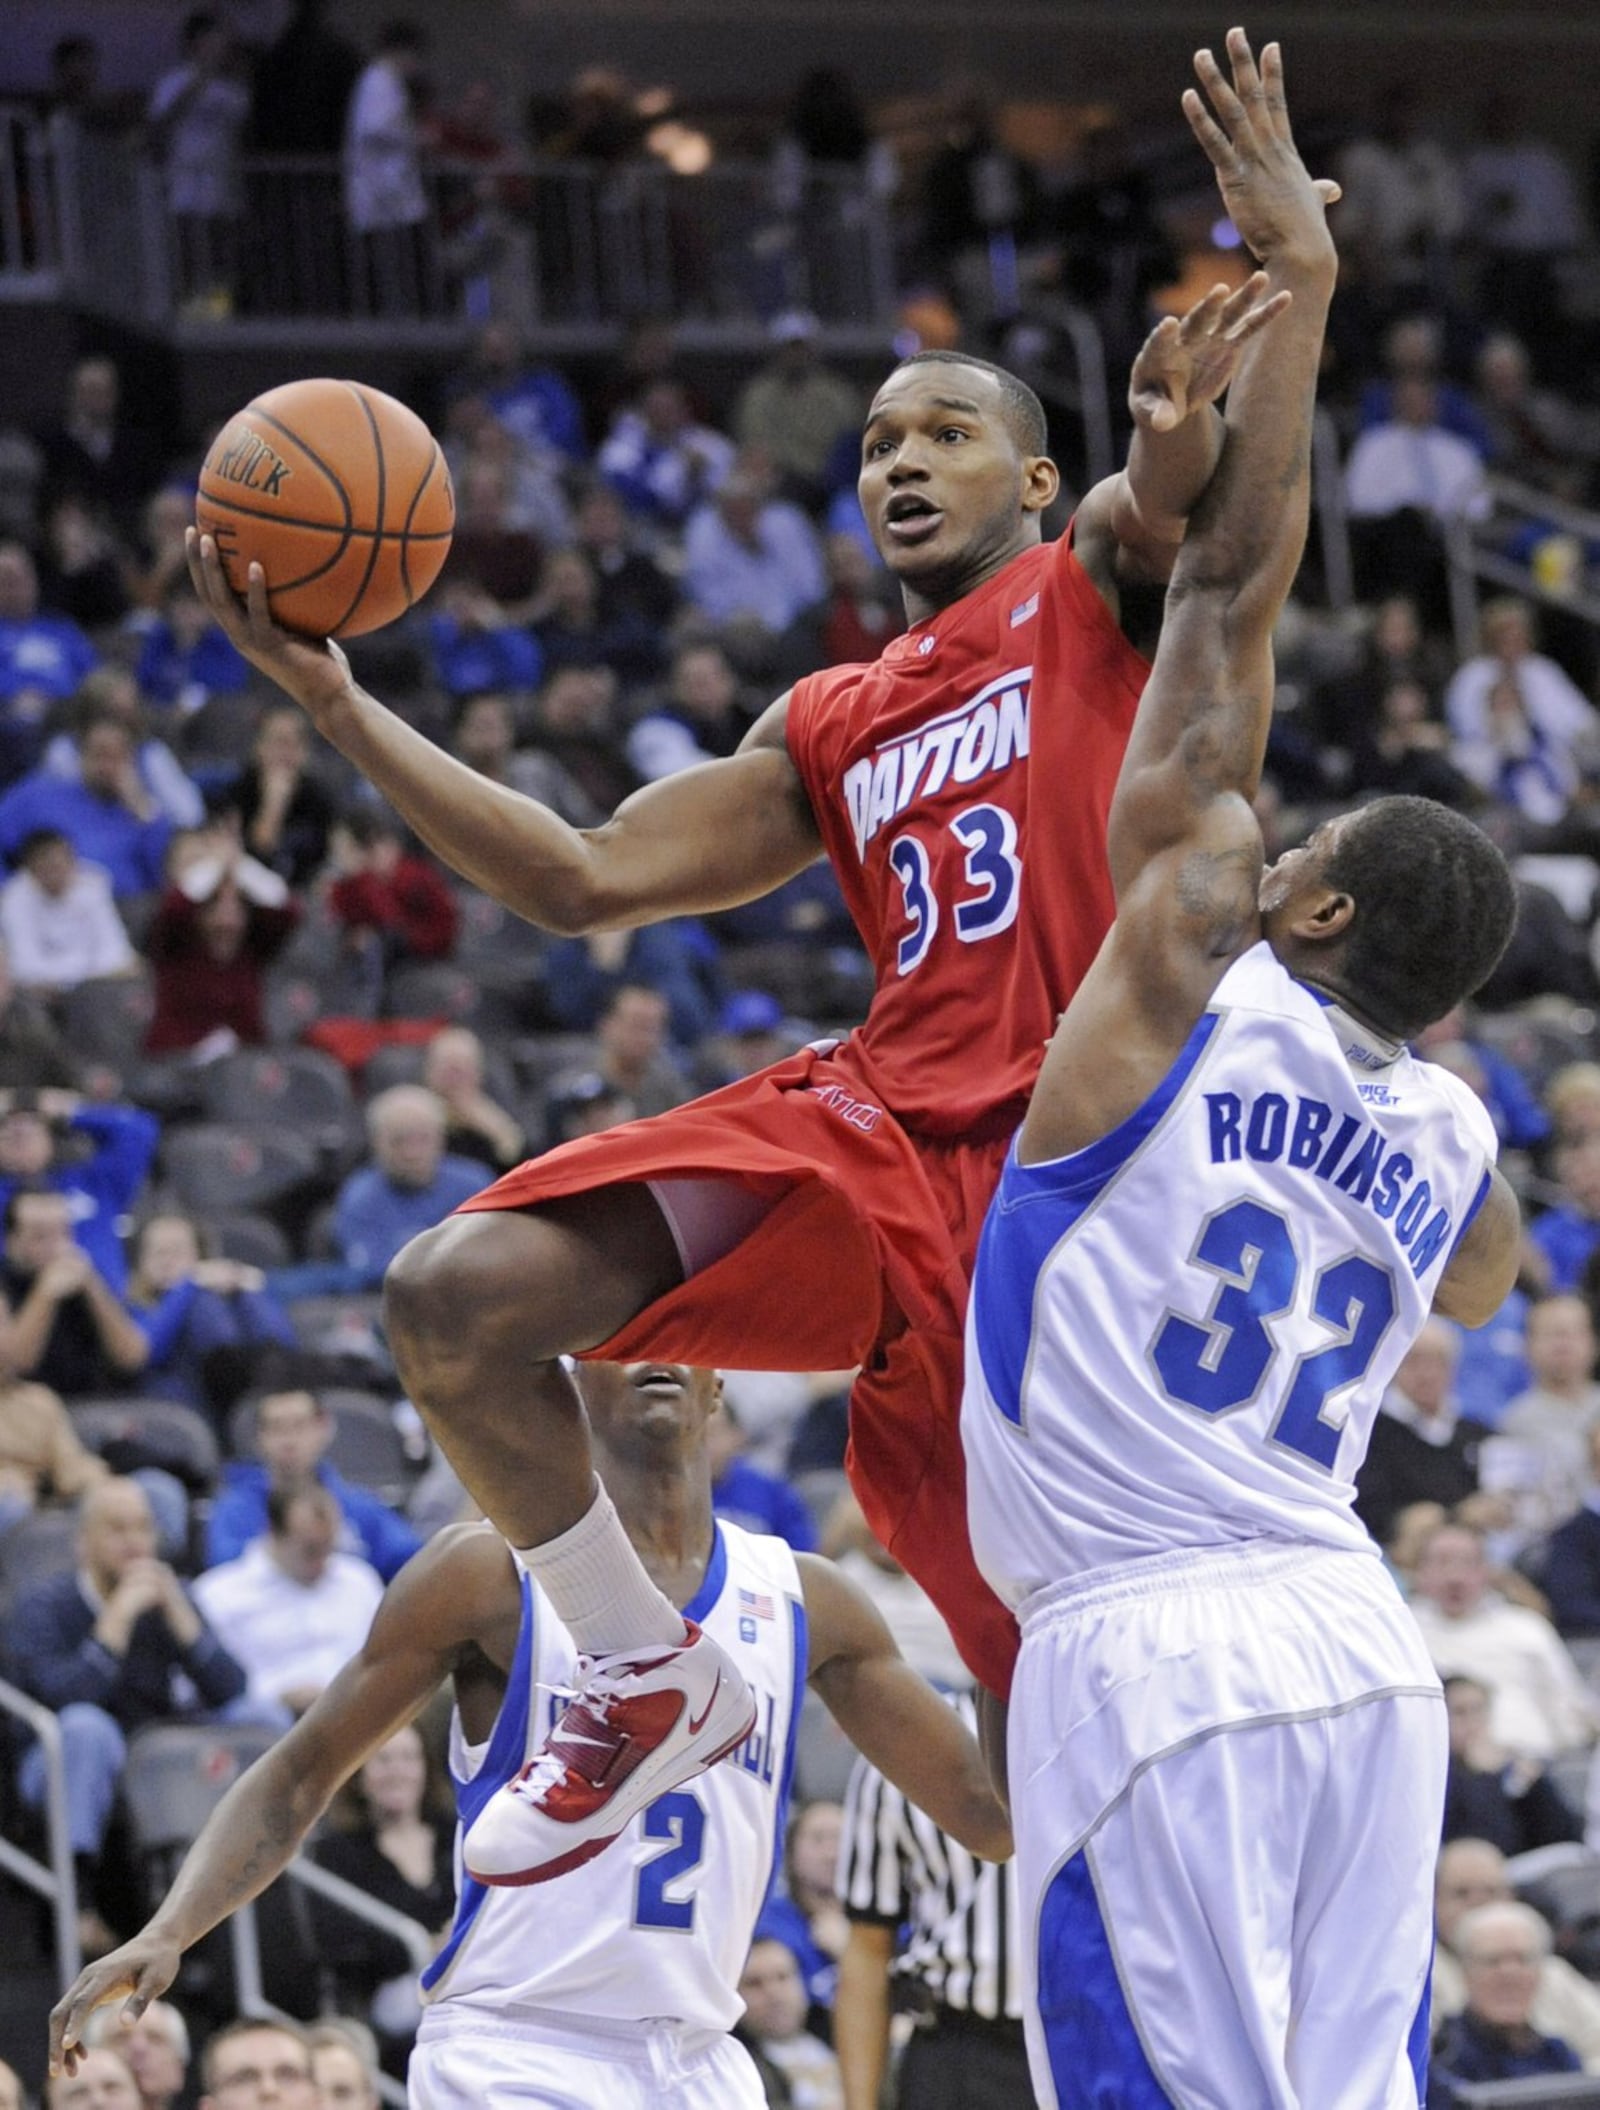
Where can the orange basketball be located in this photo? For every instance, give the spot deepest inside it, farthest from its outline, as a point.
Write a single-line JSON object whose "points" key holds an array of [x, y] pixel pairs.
{"points": [[340, 494]]}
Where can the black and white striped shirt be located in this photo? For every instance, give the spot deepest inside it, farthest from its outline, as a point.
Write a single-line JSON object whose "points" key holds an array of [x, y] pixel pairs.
{"points": [[896, 1867]]}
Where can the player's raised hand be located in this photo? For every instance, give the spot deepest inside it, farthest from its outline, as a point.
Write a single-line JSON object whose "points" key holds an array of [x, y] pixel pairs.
{"points": [[1188, 361], [314, 671], [1278, 209], [142, 1969]]}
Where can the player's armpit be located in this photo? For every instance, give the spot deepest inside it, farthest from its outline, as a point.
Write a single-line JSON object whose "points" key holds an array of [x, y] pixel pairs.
{"points": [[894, 1717], [1482, 1270], [707, 838]]}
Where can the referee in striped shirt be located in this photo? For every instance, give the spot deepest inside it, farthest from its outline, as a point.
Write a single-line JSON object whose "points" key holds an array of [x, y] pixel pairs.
{"points": [[959, 1970]]}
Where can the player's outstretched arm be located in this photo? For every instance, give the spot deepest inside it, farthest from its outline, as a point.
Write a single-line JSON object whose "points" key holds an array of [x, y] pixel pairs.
{"points": [[429, 1612], [1183, 844], [1128, 529], [1132, 524], [706, 839], [894, 1717], [1194, 757], [1483, 1268]]}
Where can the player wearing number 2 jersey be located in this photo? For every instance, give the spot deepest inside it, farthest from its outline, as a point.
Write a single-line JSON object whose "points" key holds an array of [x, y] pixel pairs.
{"points": [[612, 1987], [1230, 1208], [822, 1213]]}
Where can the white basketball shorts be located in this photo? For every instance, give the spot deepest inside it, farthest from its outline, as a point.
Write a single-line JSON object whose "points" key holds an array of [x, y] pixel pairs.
{"points": [[1227, 1780], [473, 2058]]}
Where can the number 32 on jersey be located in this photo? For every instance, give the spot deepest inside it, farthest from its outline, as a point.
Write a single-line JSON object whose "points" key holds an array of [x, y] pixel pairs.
{"points": [[990, 894], [1220, 1362]]}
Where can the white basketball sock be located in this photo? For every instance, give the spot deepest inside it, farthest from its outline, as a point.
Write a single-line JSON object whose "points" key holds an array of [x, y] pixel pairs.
{"points": [[598, 1585]]}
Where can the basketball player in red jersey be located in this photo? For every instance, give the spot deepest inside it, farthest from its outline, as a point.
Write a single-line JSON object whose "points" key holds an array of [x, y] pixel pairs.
{"points": [[823, 1212]]}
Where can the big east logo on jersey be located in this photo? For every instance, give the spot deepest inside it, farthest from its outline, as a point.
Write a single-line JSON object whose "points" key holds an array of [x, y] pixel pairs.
{"points": [[961, 747]]}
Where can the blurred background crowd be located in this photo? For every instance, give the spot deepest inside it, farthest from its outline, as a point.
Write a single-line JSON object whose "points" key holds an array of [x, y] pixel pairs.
{"points": [[253, 1038]]}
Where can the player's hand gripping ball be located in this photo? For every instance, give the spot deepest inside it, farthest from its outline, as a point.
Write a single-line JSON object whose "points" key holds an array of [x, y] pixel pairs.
{"points": [[340, 494]]}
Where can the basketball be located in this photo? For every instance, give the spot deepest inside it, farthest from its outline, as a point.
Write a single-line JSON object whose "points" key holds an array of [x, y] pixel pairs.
{"points": [[340, 494]]}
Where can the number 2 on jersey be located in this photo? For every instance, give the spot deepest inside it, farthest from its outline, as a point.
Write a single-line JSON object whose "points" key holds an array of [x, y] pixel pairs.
{"points": [[1218, 1363], [680, 1819], [988, 835]]}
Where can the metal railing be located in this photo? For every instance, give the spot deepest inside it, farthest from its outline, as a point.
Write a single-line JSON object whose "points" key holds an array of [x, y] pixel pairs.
{"points": [[1328, 510], [56, 1879], [30, 219], [1078, 384], [245, 1936], [1481, 552], [557, 247]]}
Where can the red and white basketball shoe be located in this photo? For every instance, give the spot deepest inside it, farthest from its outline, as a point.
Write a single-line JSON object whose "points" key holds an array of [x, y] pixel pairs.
{"points": [[642, 1721]]}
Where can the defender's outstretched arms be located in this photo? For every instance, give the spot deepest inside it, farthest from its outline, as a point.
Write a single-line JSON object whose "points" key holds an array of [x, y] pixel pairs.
{"points": [[1185, 850], [1194, 758]]}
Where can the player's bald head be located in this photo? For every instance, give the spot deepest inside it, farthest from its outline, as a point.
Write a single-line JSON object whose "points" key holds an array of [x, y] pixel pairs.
{"points": [[1020, 409]]}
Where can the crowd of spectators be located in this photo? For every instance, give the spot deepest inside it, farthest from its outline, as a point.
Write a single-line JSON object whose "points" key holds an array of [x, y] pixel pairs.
{"points": [[253, 1038]]}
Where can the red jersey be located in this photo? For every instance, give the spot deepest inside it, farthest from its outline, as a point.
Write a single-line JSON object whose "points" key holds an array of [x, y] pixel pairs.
{"points": [[981, 912]]}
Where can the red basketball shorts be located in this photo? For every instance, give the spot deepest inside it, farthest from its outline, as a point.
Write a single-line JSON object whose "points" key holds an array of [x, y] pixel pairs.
{"points": [[864, 1257]]}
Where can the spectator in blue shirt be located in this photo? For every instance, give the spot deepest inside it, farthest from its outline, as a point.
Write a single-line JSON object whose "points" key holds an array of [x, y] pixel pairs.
{"points": [[1412, 348], [186, 659], [1519, 1120], [678, 959], [1568, 1234], [100, 1187], [745, 1495], [108, 815], [43, 658], [411, 1185], [208, 1322], [659, 461], [533, 402], [1494, 1367], [292, 1433], [174, 792], [477, 646], [749, 555]]}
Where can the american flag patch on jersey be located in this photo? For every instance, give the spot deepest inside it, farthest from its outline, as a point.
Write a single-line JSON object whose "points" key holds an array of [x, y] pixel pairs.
{"points": [[758, 1604]]}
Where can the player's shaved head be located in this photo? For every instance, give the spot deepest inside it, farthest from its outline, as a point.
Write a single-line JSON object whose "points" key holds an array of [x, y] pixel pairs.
{"points": [[1021, 408]]}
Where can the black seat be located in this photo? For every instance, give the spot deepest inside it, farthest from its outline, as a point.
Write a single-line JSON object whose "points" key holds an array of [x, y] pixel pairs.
{"points": [[491, 934], [291, 1002], [1569, 1898], [160, 1432], [217, 1169], [43, 1543], [296, 1088], [105, 1020], [432, 989], [367, 1448], [255, 1240], [175, 1775]]}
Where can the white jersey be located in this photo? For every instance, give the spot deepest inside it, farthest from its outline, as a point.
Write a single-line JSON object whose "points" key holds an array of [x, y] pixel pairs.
{"points": [[1179, 1335], [657, 1927]]}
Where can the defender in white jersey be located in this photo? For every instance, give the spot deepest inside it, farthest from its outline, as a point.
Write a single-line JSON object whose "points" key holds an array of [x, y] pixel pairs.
{"points": [[616, 1983], [1233, 1202]]}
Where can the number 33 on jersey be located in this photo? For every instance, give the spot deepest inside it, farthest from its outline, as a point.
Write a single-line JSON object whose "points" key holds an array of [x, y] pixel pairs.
{"points": [[961, 784]]}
